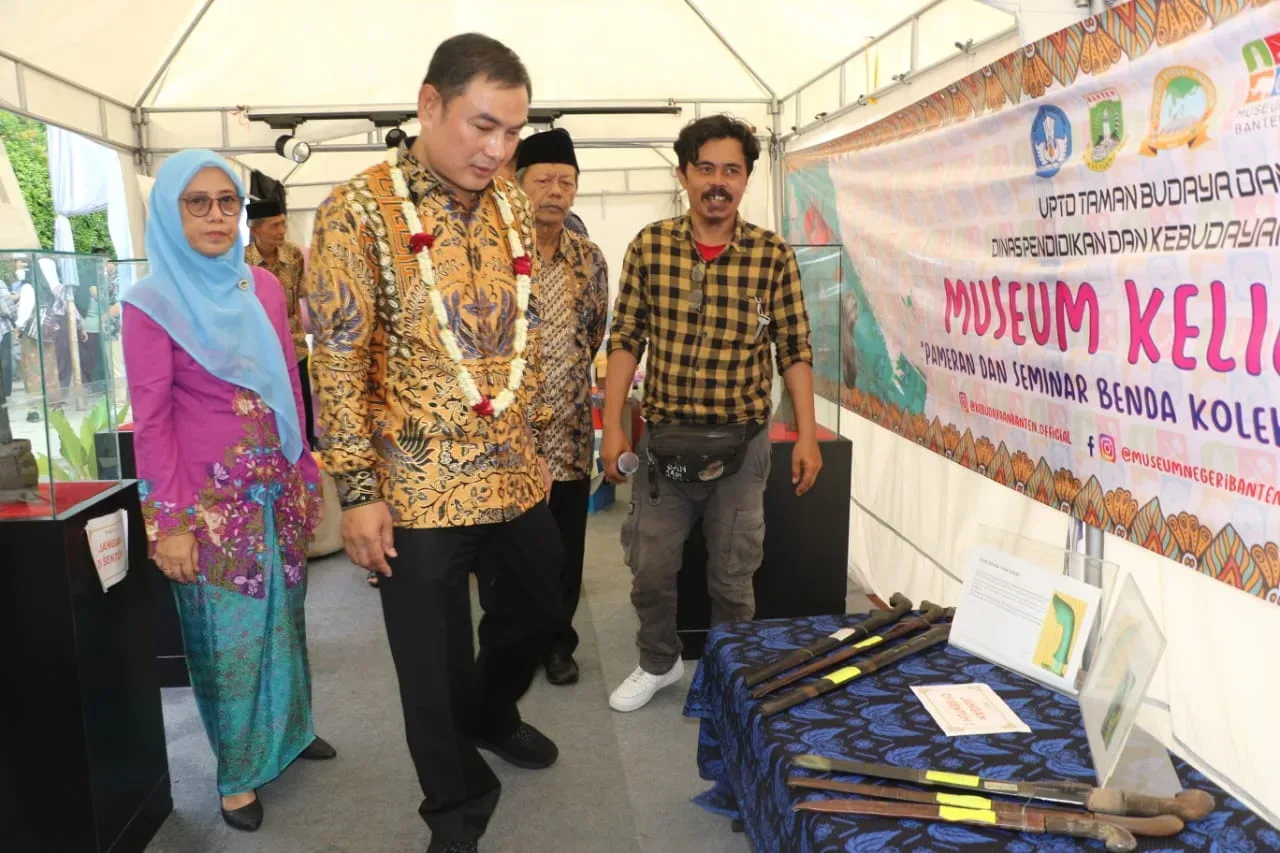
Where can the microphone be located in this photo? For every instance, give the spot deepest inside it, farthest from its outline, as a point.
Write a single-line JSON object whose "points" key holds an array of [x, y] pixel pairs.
{"points": [[628, 464]]}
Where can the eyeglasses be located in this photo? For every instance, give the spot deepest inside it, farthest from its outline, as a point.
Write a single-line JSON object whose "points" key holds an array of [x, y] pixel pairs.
{"points": [[200, 204], [699, 275]]}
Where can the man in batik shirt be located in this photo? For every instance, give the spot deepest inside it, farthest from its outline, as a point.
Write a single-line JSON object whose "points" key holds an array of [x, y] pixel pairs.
{"points": [[574, 284], [428, 367], [268, 248]]}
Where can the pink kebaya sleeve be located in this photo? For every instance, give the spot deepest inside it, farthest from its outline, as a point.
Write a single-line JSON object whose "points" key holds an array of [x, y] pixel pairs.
{"points": [[168, 499]]}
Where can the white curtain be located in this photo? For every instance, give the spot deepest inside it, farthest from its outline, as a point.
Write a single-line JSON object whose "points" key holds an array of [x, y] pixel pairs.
{"points": [[86, 177]]}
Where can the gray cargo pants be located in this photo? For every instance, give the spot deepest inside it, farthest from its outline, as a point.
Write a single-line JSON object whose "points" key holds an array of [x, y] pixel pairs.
{"points": [[653, 537]]}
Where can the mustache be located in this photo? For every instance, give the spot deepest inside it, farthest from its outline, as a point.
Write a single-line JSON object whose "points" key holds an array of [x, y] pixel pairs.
{"points": [[717, 194]]}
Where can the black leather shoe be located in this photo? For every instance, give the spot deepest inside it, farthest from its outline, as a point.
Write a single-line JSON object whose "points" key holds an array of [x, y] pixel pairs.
{"points": [[319, 750], [525, 747], [454, 847], [246, 818], [561, 669]]}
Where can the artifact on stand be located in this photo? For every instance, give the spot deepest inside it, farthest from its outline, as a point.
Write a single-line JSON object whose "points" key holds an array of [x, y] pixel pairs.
{"points": [[929, 614], [1162, 826], [19, 474], [1041, 821], [1188, 805], [936, 634], [876, 620]]}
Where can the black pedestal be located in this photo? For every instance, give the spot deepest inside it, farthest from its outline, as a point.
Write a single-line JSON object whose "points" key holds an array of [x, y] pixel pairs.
{"points": [[806, 549], [83, 765], [171, 654]]}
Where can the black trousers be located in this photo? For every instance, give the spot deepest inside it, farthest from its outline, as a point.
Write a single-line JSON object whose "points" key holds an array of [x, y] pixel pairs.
{"points": [[62, 354], [569, 501], [450, 697], [304, 379], [91, 359], [6, 363]]}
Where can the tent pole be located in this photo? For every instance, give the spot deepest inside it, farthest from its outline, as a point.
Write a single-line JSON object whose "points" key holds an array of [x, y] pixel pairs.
{"points": [[775, 165], [24, 65], [759, 81], [801, 130], [350, 148], [168, 60]]}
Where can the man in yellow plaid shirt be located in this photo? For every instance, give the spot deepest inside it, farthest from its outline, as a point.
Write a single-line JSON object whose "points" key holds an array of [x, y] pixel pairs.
{"points": [[710, 296]]}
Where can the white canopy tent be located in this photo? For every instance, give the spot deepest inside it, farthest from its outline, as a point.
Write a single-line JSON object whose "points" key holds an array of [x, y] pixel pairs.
{"points": [[154, 76]]}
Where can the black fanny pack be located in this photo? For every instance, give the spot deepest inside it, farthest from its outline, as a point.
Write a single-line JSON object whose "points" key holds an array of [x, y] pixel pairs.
{"points": [[699, 453]]}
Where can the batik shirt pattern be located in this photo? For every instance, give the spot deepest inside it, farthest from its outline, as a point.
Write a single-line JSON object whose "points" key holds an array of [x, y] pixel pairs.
{"points": [[396, 426], [575, 299]]}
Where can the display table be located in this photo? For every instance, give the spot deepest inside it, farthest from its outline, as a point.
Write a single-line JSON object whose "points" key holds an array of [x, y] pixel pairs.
{"points": [[805, 568], [83, 764], [878, 719]]}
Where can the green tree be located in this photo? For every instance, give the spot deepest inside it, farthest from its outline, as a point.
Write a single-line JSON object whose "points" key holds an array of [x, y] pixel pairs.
{"points": [[28, 149]]}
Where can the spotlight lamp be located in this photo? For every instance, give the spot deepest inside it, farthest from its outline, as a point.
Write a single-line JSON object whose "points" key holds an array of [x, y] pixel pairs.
{"points": [[395, 136], [293, 149]]}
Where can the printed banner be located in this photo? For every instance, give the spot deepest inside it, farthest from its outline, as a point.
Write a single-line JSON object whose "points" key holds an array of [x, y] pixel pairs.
{"points": [[1060, 272]]}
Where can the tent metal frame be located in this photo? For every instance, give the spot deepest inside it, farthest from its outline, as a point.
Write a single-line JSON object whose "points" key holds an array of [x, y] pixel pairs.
{"points": [[139, 114], [845, 105], [102, 134]]}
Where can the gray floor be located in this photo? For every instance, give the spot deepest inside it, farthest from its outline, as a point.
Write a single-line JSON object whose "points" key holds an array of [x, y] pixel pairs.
{"points": [[622, 784]]}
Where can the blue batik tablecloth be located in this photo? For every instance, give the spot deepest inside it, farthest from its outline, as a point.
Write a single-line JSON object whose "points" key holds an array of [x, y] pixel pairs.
{"points": [[878, 718]]}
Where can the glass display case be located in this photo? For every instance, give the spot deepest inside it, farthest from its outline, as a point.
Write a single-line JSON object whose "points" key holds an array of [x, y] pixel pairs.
{"points": [[832, 308], [66, 396], [127, 273]]}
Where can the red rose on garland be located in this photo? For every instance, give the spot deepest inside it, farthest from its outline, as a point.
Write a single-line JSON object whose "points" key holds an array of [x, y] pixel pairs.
{"points": [[523, 265], [484, 407], [421, 241]]}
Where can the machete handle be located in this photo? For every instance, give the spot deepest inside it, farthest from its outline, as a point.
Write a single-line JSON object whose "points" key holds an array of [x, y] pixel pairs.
{"points": [[1188, 805], [783, 702], [1117, 838], [1160, 826], [899, 605]]}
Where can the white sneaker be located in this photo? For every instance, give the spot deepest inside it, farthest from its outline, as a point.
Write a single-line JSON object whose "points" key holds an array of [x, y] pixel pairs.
{"points": [[638, 689]]}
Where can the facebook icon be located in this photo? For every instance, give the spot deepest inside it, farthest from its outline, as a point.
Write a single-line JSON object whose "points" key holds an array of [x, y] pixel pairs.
{"points": [[1090, 445]]}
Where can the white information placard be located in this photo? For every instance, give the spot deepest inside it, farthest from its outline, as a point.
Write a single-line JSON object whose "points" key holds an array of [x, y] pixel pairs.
{"points": [[968, 709], [109, 545], [1022, 617], [1129, 650]]}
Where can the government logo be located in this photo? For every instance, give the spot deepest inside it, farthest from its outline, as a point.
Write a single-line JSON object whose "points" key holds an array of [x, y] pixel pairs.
{"points": [[1050, 140], [1182, 101], [1106, 129]]}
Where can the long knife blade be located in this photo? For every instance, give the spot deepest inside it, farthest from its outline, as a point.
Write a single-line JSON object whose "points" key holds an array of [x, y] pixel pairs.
{"points": [[1187, 805], [930, 613], [900, 605], [1163, 826], [936, 634], [1117, 839]]}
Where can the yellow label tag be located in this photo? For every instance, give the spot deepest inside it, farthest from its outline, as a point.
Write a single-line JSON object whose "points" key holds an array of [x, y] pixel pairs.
{"points": [[970, 815], [953, 778], [964, 801], [869, 642], [840, 676]]}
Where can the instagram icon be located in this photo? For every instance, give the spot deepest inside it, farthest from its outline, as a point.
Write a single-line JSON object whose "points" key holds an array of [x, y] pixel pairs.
{"points": [[964, 402], [1107, 447]]}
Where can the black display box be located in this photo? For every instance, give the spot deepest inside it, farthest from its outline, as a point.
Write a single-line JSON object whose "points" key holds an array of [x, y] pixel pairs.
{"points": [[83, 763], [806, 548]]}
